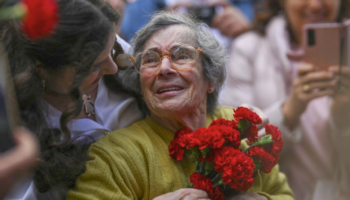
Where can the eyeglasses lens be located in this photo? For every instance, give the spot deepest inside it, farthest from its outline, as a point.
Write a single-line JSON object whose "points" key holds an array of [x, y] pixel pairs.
{"points": [[181, 57]]}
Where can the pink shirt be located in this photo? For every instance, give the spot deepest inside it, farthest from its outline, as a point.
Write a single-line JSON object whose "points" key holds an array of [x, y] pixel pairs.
{"points": [[259, 73]]}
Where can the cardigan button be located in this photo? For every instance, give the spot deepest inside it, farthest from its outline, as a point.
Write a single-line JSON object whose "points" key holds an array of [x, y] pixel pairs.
{"points": [[106, 132]]}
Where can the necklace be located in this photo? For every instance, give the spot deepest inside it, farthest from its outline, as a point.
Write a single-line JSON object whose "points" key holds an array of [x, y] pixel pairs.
{"points": [[88, 105]]}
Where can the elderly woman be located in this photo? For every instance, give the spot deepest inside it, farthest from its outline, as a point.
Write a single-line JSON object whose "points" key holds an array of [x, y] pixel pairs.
{"points": [[179, 70], [306, 104]]}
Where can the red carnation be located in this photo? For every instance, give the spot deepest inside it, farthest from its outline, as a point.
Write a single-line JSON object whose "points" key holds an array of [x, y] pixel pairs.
{"points": [[203, 183], [205, 138], [182, 132], [251, 133], [176, 145], [41, 18], [221, 121], [276, 147], [175, 150], [236, 167], [260, 156], [245, 113], [230, 134], [217, 194], [193, 139]]}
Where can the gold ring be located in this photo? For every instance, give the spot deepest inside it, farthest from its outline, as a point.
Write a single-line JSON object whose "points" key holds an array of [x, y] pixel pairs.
{"points": [[306, 88]]}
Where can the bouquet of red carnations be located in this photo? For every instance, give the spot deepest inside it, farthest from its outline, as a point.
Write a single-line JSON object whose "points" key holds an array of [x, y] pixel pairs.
{"points": [[220, 163]]}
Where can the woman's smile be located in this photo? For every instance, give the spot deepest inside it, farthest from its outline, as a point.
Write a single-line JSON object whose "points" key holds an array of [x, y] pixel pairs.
{"points": [[169, 91]]}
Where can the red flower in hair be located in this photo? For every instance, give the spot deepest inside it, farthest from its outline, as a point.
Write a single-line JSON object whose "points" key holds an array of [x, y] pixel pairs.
{"points": [[41, 18], [245, 113]]}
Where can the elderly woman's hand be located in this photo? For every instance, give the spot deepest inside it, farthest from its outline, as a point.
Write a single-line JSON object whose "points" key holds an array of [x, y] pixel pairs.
{"points": [[184, 194], [308, 85], [247, 196], [341, 101]]}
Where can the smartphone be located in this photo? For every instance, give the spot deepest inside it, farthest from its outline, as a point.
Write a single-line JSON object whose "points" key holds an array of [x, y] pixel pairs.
{"points": [[326, 44], [9, 113], [202, 13]]}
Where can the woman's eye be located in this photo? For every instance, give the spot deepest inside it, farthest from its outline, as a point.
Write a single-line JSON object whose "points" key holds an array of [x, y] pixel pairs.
{"points": [[183, 56], [149, 60]]}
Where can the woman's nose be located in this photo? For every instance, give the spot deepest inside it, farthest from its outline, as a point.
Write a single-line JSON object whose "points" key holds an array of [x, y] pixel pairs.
{"points": [[316, 5], [166, 68], [110, 67]]}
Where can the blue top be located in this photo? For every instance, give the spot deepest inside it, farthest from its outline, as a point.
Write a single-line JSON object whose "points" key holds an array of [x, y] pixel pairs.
{"points": [[138, 13]]}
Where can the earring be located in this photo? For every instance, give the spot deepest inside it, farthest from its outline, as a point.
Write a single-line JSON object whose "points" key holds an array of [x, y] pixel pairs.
{"points": [[210, 90]]}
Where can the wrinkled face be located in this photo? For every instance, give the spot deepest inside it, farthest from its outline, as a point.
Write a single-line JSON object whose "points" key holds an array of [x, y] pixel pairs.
{"points": [[300, 12], [169, 90], [61, 83]]}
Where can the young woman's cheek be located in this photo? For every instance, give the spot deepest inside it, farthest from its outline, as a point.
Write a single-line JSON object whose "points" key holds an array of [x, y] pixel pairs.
{"points": [[90, 79]]}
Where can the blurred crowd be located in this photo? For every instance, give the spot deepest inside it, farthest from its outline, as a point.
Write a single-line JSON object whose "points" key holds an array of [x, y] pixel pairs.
{"points": [[264, 41]]}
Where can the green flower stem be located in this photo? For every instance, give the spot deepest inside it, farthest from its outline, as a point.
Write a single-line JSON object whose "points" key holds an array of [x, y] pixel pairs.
{"points": [[216, 179], [212, 174], [219, 183], [201, 167], [209, 167], [265, 140]]}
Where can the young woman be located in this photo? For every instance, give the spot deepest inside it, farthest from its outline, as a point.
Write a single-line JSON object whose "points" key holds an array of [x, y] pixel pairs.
{"points": [[68, 91], [308, 105]]}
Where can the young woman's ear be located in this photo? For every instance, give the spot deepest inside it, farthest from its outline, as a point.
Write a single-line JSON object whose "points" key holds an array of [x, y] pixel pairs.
{"points": [[42, 72]]}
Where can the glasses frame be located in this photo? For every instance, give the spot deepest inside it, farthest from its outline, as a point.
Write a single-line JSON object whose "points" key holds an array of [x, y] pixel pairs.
{"points": [[133, 58]]}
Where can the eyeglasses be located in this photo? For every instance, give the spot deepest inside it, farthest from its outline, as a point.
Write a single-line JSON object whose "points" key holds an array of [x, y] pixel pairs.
{"points": [[182, 58]]}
